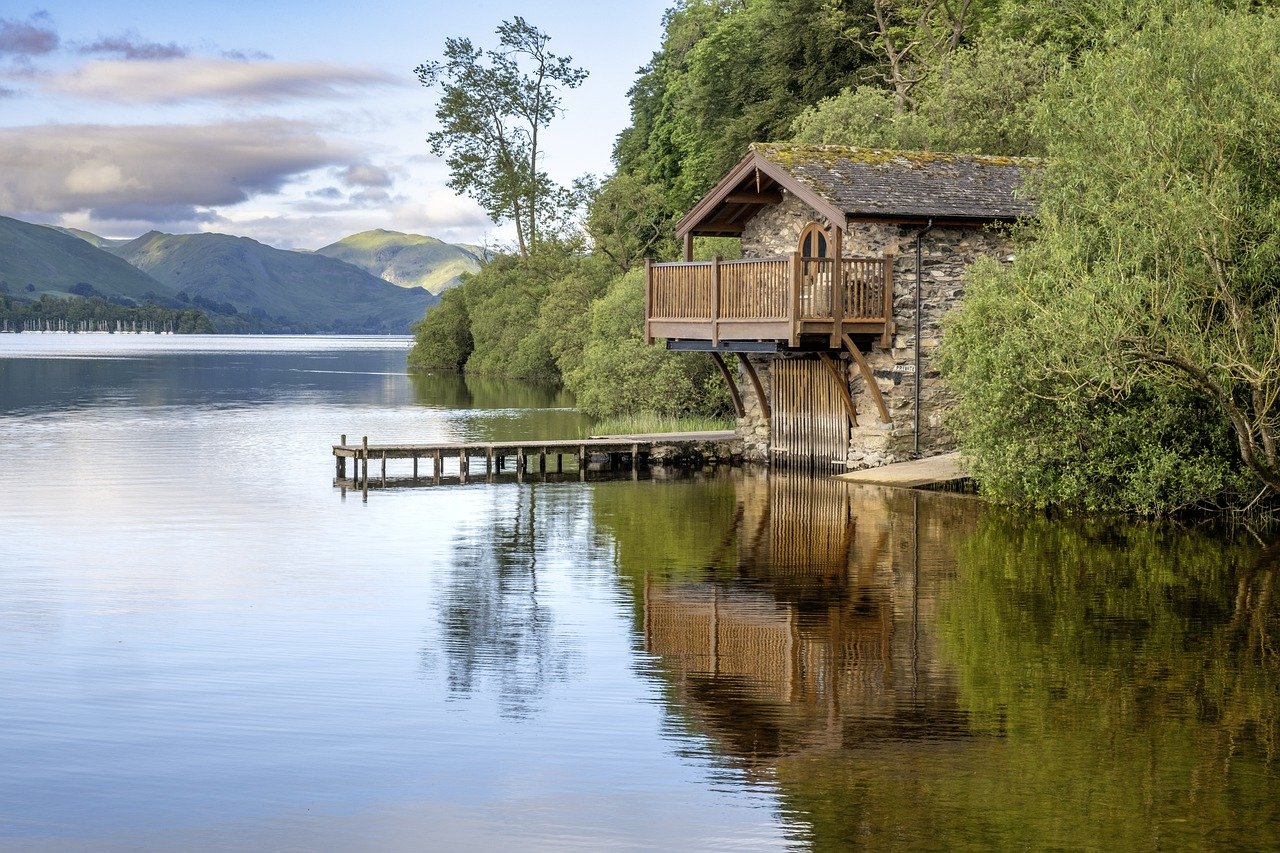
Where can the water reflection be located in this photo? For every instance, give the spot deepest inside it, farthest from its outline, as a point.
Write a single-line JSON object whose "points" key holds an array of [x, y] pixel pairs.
{"points": [[494, 623], [923, 670], [454, 390]]}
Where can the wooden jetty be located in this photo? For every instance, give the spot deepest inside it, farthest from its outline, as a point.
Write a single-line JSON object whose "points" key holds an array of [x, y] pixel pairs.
{"points": [[491, 458]]}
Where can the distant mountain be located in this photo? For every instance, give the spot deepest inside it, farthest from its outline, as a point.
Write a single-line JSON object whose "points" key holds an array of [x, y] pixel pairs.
{"points": [[91, 238], [38, 259], [243, 282], [409, 260]]}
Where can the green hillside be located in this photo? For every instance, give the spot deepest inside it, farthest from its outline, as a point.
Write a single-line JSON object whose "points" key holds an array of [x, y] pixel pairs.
{"points": [[38, 260], [92, 239], [408, 260], [248, 286]]}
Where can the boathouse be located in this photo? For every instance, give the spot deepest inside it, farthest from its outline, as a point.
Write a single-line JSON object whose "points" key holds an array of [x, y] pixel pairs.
{"points": [[850, 258]]}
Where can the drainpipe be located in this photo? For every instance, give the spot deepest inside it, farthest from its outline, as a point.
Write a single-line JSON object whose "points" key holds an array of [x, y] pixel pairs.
{"points": [[916, 439]]}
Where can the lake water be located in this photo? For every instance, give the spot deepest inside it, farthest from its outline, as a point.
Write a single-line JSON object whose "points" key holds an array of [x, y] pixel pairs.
{"points": [[205, 645]]}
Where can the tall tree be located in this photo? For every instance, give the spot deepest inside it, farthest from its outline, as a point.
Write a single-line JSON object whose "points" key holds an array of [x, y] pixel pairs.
{"points": [[494, 106]]}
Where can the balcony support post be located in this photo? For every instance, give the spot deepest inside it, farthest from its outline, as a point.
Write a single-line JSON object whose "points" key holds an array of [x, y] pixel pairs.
{"points": [[715, 301], [750, 370], [797, 271], [842, 387], [886, 337], [648, 300], [837, 285], [868, 379], [738, 408]]}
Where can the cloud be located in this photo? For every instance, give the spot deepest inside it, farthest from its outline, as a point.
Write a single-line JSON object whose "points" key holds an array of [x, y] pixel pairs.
{"points": [[155, 81], [327, 193], [365, 175], [245, 55], [161, 172], [129, 45], [441, 214], [27, 38], [6, 92]]}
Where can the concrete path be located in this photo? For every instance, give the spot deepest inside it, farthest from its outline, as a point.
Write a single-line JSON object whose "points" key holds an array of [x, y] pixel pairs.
{"points": [[911, 475]]}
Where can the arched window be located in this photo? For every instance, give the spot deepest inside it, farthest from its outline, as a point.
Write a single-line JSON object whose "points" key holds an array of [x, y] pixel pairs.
{"points": [[813, 241]]}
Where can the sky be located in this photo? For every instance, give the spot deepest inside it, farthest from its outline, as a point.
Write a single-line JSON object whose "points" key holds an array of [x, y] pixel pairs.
{"points": [[294, 123]]}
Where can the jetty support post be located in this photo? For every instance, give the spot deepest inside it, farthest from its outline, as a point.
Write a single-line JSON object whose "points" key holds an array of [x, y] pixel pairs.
{"points": [[364, 472], [341, 470]]}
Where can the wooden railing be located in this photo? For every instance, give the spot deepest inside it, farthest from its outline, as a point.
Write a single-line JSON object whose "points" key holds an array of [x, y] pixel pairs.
{"points": [[754, 289], [681, 291], [763, 298]]}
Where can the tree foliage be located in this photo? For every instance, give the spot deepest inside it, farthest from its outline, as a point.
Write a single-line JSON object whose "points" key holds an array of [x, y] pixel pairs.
{"points": [[618, 372], [494, 106], [1138, 330]]}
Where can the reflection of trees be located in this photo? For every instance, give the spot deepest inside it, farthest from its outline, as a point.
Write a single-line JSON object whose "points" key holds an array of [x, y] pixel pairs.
{"points": [[923, 670], [783, 612], [1134, 670], [452, 390], [493, 619], [484, 408]]}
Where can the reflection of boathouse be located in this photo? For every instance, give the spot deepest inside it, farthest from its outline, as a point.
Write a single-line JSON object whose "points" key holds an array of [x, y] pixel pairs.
{"points": [[825, 639]]}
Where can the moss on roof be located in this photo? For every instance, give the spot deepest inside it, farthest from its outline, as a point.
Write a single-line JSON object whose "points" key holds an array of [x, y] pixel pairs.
{"points": [[790, 155], [874, 181]]}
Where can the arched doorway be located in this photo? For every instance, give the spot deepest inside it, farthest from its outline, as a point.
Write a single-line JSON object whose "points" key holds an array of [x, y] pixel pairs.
{"points": [[814, 247]]}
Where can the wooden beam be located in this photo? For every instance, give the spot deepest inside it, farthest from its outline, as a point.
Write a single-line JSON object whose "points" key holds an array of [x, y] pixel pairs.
{"points": [[796, 272], [688, 248], [715, 301], [750, 370], [868, 378], [733, 386], [648, 301], [766, 197], [886, 337], [837, 284], [843, 387], [717, 230]]}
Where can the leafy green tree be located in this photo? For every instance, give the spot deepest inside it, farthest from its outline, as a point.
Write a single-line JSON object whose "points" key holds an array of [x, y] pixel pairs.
{"points": [[494, 106], [1146, 294], [620, 374], [442, 339], [984, 104]]}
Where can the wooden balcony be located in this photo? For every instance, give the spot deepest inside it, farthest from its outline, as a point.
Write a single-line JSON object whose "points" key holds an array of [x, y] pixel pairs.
{"points": [[789, 301]]}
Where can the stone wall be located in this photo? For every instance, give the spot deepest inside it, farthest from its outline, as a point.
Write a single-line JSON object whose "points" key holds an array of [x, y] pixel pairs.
{"points": [[945, 252]]}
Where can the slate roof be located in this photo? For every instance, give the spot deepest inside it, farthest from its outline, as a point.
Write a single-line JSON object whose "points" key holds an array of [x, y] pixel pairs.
{"points": [[866, 182]]}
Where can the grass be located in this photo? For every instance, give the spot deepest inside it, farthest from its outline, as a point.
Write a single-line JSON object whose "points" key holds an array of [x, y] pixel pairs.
{"points": [[645, 423]]}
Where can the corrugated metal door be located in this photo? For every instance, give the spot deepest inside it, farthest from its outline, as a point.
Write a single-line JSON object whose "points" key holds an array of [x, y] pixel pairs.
{"points": [[809, 427]]}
